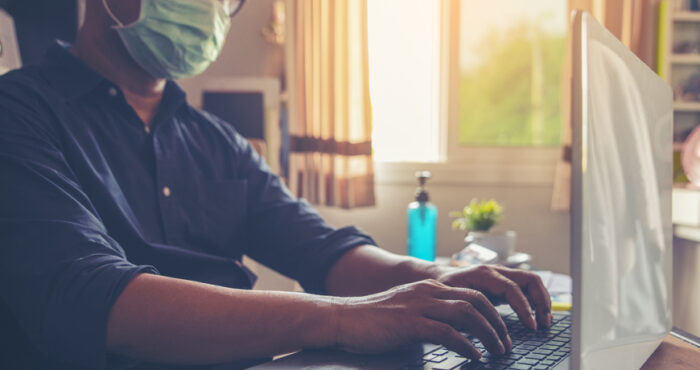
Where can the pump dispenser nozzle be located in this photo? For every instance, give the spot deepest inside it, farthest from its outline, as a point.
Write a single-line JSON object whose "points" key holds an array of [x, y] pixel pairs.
{"points": [[421, 194]]}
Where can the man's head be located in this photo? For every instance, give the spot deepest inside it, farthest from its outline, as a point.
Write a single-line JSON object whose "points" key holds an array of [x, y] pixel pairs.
{"points": [[169, 39]]}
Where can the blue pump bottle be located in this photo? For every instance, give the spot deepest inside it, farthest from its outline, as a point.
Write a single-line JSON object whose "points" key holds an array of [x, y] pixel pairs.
{"points": [[422, 219]]}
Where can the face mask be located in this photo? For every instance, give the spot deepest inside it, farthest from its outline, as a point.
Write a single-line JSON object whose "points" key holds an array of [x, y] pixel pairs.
{"points": [[174, 39]]}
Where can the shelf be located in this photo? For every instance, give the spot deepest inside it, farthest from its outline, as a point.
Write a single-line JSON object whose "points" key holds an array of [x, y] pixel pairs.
{"points": [[686, 16], [686, 206], [686, 106], [685, 58]]}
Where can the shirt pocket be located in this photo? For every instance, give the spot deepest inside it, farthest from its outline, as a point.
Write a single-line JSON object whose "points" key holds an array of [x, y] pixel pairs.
{"points": [[218, 224]]}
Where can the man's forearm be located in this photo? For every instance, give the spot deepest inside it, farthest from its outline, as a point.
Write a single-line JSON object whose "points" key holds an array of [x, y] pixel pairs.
{"points": [[163, 319], [368, 269]]}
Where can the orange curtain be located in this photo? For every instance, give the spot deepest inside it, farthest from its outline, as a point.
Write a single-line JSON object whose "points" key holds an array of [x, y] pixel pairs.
{"points": [[634, 23], [330, 116]]}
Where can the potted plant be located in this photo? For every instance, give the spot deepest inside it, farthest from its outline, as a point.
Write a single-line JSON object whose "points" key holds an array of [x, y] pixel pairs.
{"points": [[478, 217]]}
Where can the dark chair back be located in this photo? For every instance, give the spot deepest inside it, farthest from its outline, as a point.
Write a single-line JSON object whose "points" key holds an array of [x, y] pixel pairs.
{"points": [[40, 22]]}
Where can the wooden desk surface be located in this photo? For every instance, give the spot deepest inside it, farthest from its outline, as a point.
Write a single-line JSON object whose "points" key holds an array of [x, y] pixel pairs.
{"points": [[674, 353]]}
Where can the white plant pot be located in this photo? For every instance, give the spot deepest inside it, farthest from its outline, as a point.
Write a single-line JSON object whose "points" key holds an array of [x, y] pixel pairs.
{"points": [[501, 242]]}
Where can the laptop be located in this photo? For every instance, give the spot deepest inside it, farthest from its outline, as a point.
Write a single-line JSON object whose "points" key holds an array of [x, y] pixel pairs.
{"points": [[621, 240]]}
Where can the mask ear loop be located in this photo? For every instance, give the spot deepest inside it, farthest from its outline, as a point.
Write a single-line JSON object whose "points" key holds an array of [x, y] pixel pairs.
{"points": [[114, 18]]}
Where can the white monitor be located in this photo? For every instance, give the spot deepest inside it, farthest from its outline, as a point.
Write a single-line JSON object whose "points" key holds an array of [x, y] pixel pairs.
{"points": [[621, 258]]}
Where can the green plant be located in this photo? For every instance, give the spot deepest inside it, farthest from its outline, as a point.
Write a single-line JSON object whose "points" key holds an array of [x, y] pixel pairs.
{"points": [[478, 215]]}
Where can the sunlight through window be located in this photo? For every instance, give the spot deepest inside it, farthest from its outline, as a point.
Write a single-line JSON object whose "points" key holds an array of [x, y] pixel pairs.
{"points": [[404, 62], [511, 59]]}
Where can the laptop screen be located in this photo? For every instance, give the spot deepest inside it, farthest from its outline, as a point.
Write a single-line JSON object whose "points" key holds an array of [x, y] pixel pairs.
{"points": [[621, 205]]}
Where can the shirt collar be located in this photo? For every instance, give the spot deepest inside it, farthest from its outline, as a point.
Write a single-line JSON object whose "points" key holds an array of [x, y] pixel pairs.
{"points": [[67, 73], [74, 79]]}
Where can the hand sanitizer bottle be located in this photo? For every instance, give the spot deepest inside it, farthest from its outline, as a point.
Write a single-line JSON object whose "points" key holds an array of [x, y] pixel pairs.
{"points": [[422, 219]]}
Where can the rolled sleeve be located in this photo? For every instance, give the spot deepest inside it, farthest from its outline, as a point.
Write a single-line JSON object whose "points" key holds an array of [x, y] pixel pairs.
{"points": [[60, 282], [62, 298], [324, 252], [286, 233]]}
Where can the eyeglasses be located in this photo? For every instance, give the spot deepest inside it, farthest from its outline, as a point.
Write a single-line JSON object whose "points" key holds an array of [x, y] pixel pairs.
{"points": [[232, 6]]}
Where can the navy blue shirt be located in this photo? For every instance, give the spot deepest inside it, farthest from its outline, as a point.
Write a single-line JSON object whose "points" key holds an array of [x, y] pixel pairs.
{"points": [[89, 199]]}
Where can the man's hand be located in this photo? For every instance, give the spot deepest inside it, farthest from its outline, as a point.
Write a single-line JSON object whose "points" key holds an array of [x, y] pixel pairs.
{"points": [[429, 310], [521, 289], [423, 311]]}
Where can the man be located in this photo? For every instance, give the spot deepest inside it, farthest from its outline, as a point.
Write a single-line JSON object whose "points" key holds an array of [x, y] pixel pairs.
{"points": [[125, 213]]}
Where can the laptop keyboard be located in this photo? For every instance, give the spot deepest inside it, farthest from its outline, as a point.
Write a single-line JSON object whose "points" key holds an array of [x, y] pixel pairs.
{"points": [[541, 349]]}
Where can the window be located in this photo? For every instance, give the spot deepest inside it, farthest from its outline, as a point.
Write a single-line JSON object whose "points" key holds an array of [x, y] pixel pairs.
{"points": [[404, 60], [510, 65], [453, 76]]}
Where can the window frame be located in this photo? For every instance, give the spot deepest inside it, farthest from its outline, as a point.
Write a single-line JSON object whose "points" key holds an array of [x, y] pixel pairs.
{"points": [[474, 165], [495, 162]]}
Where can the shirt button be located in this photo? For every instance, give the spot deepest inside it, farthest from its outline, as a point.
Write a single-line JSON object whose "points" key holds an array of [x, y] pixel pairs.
{"points": [[112, 92], [166, 191]]}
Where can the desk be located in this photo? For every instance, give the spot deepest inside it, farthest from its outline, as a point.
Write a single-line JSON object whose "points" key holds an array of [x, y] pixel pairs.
{"points": [[674, 353]]}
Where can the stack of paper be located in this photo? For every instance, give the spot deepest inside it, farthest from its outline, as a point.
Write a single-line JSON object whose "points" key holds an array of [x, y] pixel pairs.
{"points": [[559, 287]]}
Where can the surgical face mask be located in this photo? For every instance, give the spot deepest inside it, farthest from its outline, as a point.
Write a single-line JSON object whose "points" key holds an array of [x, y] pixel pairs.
{"points": [[175, 39]]}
